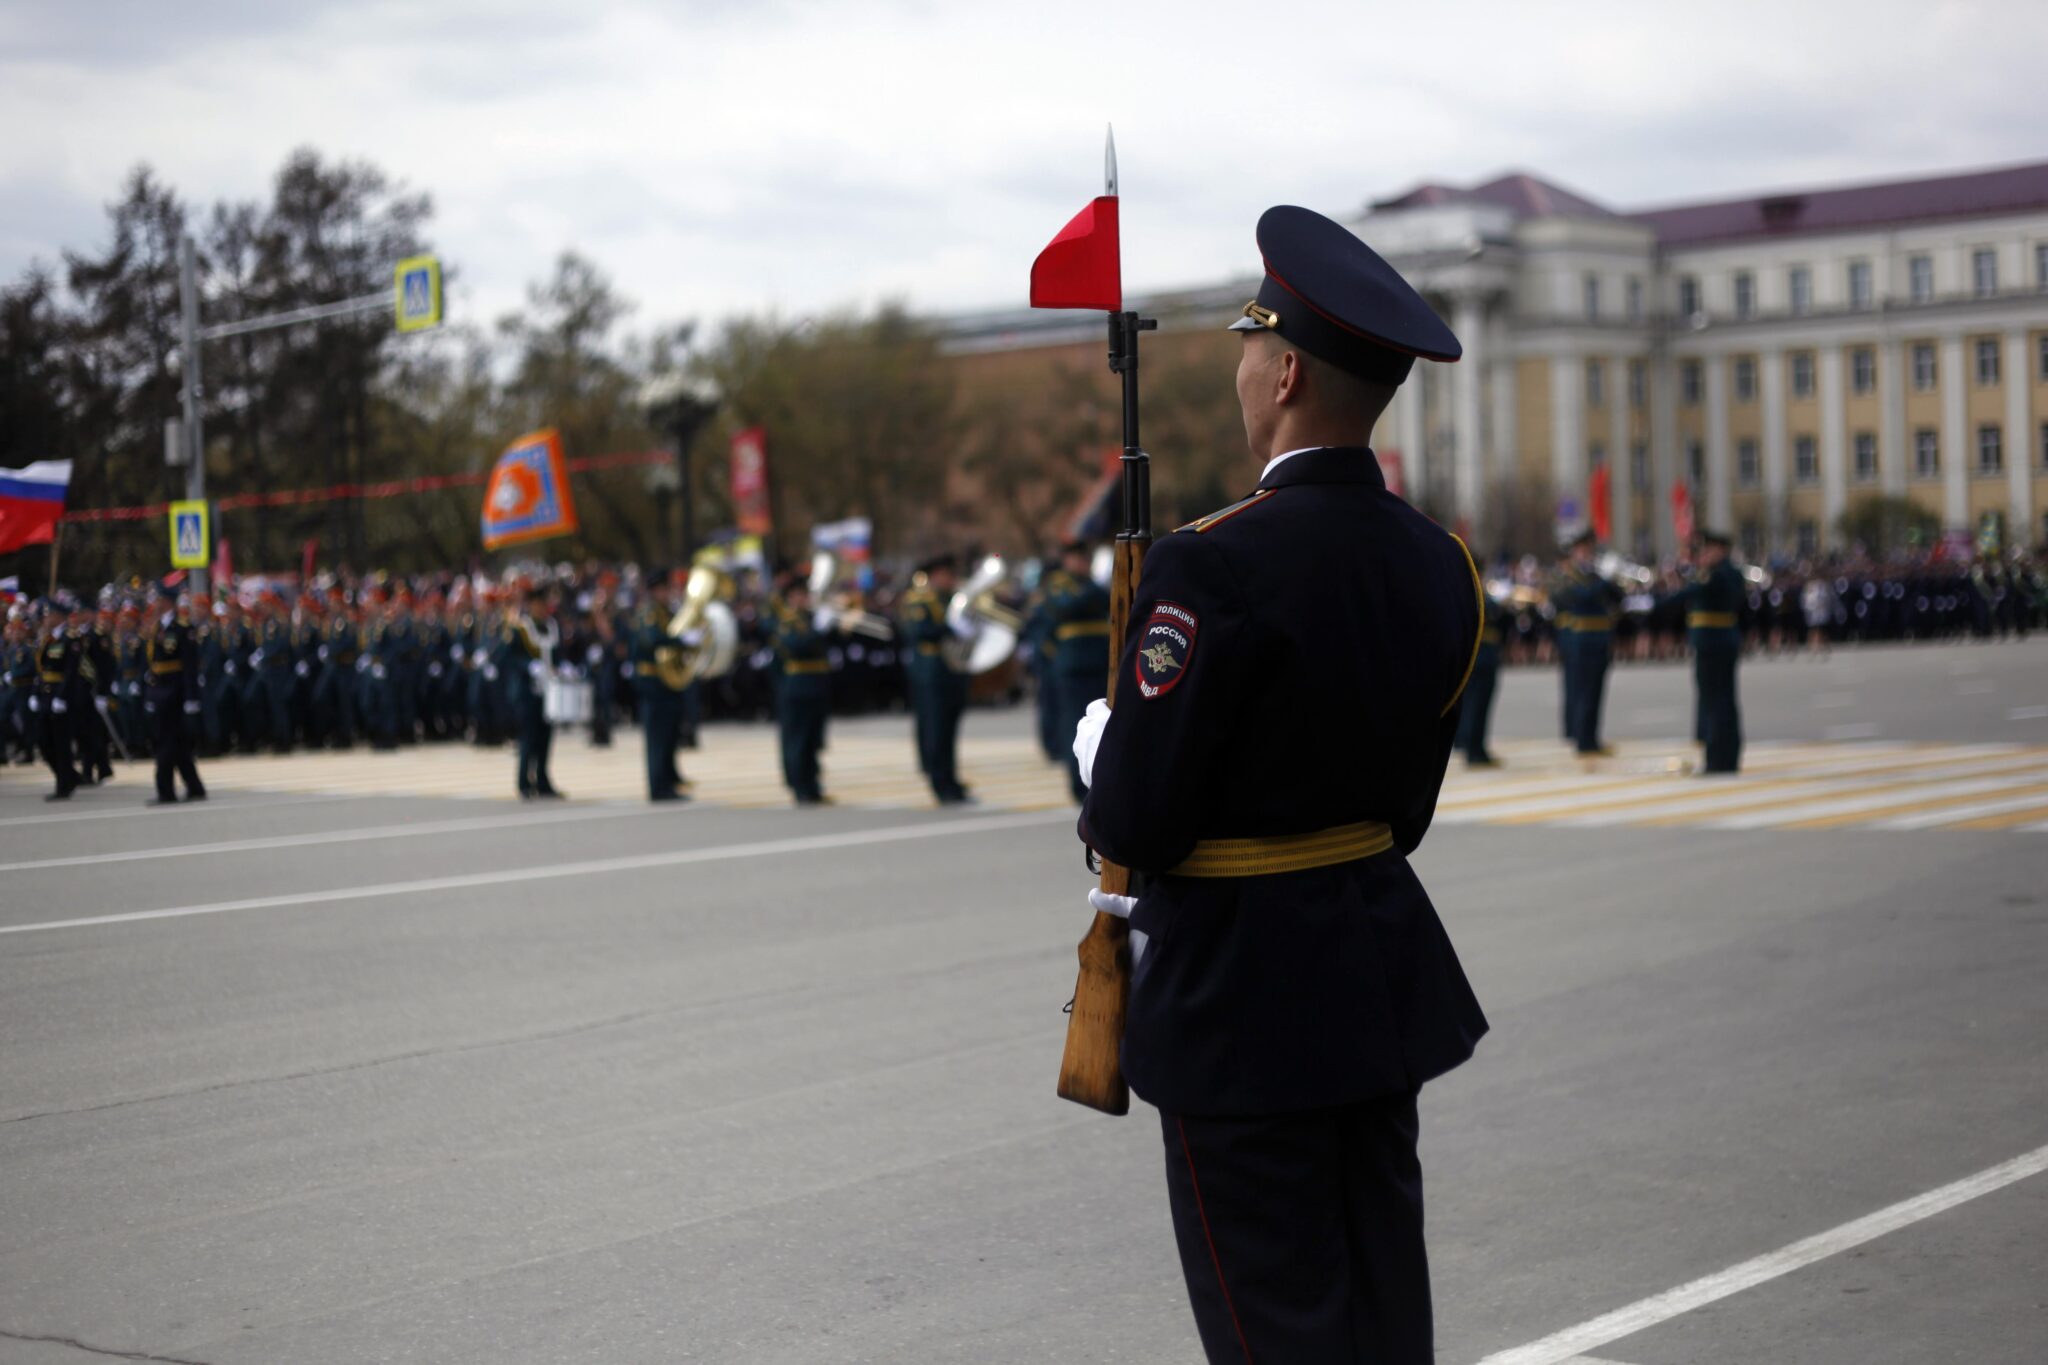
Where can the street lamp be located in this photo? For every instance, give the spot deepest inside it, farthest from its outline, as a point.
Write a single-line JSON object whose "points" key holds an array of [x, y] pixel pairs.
{"points": [[680, 404]]}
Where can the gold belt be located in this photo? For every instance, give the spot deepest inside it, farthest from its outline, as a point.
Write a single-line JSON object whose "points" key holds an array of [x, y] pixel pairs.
{"points": [[928, 649], [1709, 620], [1262, 857], [163, 666], [1569, 622], [1075, 629], [804, 668]]}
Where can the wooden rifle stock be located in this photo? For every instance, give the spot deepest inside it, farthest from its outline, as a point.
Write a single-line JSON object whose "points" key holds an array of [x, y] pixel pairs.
{"points": [[1091, 1071]]}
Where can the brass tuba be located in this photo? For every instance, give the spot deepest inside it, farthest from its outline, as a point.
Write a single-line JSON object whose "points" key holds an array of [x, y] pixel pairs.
{"points": [[707, 634], [993, 642]]}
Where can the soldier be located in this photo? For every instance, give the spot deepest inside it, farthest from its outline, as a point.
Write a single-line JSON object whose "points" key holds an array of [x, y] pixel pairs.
{"points": [[93, 677], [334, 691], [803, 690], [172, 699], [402, 658], [525, 657], [56, 675], [661, 676], [1285, 708], [1477, 708], [1039, 648], [1585, 605], [269, 690], [131, 676], [1078, 609], [17, 686], [938, 693], [1713, 617]]}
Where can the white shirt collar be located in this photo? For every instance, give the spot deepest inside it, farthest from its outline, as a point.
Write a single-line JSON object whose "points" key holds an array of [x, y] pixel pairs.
{"points": [[1275, 462]]}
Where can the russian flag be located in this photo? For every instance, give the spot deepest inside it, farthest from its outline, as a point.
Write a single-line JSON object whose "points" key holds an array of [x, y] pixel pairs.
{"points": [[31, 501]]}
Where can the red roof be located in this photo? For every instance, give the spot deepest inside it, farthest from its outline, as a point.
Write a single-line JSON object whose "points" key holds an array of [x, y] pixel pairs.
{"points": [[1973, 194]]}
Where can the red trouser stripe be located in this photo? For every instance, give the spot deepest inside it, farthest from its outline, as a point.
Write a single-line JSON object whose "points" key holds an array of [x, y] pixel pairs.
{"points": [[1210, 1237]]}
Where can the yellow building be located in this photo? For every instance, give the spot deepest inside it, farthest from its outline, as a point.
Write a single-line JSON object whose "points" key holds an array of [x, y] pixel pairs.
{"points": [[1781, 356]]}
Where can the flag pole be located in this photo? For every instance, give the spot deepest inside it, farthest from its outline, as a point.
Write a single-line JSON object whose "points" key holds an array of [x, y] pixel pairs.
{"points": [[56, 539]]}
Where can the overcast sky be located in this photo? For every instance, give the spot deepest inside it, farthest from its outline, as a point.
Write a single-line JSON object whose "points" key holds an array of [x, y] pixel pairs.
{"points": [[724, 156]]}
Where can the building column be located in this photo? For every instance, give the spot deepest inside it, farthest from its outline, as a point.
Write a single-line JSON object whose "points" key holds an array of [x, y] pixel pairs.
{"points": [[1467, 451], [1777, 478], [1956, 454], [1720, 499], [1834, 444], [1568, 430], [1664, 455], [2019, 441], [1411, 434], [1620, 465], [1503, 455], [1893, 459]]}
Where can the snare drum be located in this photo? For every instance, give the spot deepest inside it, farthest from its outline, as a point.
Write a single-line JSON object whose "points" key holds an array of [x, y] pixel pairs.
{"points": [[567, 701]]}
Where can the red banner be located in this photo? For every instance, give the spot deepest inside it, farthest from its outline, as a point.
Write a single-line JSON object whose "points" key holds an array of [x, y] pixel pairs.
{"points": [[1600, 500], [752, 510], [1681, 513]]}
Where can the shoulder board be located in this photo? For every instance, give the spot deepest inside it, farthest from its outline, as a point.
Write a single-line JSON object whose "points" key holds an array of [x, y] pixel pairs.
{"points": [[1201, 524]]}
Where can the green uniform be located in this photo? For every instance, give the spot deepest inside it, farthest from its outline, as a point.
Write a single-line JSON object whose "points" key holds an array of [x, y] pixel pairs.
{"points": [[1713, 618], [803, 700], [1476, 706], [1078, 610], [522, 660], [1585, 604], [654, 652], [937, 693]]}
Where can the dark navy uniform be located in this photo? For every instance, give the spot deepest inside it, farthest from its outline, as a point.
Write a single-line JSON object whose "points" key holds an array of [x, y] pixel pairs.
{"points": [[658, 661], [1285, 706], [56, 675], [1077, 608], [1713, 618], [172, 697], [1477, 707], [803, 699], [524, 655], [938, 694]]}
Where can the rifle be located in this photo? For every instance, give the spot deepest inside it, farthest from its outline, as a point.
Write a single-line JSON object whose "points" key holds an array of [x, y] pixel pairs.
{"points": [[1082, 268]]}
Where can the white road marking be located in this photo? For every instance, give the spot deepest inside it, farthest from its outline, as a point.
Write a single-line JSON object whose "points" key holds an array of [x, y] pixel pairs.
{"points": [[1572, 1342], [1948, 815], [1876, 801], [573, 815], [212, 805], [1736, 795], [1863, 731], [2027, 713], [597, 866]]}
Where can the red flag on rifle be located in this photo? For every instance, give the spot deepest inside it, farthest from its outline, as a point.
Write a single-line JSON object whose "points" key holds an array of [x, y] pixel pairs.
{"points": [[1083, 266]]}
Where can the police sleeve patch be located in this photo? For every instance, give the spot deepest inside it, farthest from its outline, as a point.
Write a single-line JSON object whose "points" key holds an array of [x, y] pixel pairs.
{"points": [[1165, 648]]}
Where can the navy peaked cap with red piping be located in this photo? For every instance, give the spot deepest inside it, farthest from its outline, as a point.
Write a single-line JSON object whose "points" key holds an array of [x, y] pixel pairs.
{"points": [[1331, 294]]}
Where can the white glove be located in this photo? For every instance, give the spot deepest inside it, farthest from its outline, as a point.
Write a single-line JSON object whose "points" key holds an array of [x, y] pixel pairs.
{"points": [[823, 619], [35, 704], [1120, 906], [102, 705], [1087, 736], [323, 654], [256, 659], [537, 670], [302, 668], [58, 706], [434, 669], [455, 653], [191, 708], [490, 672]]}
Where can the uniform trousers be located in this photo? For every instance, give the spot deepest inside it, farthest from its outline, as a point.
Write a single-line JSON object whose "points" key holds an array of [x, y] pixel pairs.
{"points": [[174, 749], [54, 736], [801, 711], [661, 719], [1719, 721], [1477, 704], [1300, 1235], [1587, 673]]}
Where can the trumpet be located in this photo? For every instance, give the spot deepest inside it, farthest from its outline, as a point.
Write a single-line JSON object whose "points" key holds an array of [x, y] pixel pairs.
{"points": [[843, 615]]}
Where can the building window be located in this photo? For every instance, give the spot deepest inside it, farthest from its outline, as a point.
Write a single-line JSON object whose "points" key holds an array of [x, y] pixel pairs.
{"points": [[2041, 266], [1688, 295], [1639, 462], [1745, 379], [1638, 384], [1799, 283], [1866, 457], [1745, 294], [1752, 537], [1748, 468], [1860, 294], [1920, 277], [2043, 362], [1926, 454], [1863, 370], [1592, 296], [1987, 361], [1596, 456], [1596, 384], [1923, 365], [1984, 272], [1802, 374], [2044, 446], [1696, 464], [1689, 381], [1635, 299], [1805, 460], [1809, 538], [1990, 450]]}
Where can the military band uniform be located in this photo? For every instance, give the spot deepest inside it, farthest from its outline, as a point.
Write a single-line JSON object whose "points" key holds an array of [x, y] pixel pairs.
{"points": [[97, 671], [1476, 710], [938, 694], [1713, 622], [803, 700], [1078, 610], [660, 677], [173, 699], [1586, 604], [524, 658]]}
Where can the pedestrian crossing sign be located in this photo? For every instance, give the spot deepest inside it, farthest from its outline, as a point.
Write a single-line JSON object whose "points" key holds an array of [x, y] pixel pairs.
{"points": [[418, 289], [190, 541]]}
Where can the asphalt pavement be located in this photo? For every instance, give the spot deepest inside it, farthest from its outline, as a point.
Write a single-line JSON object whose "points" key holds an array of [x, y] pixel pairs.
{"points": [[293, 1077]]}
